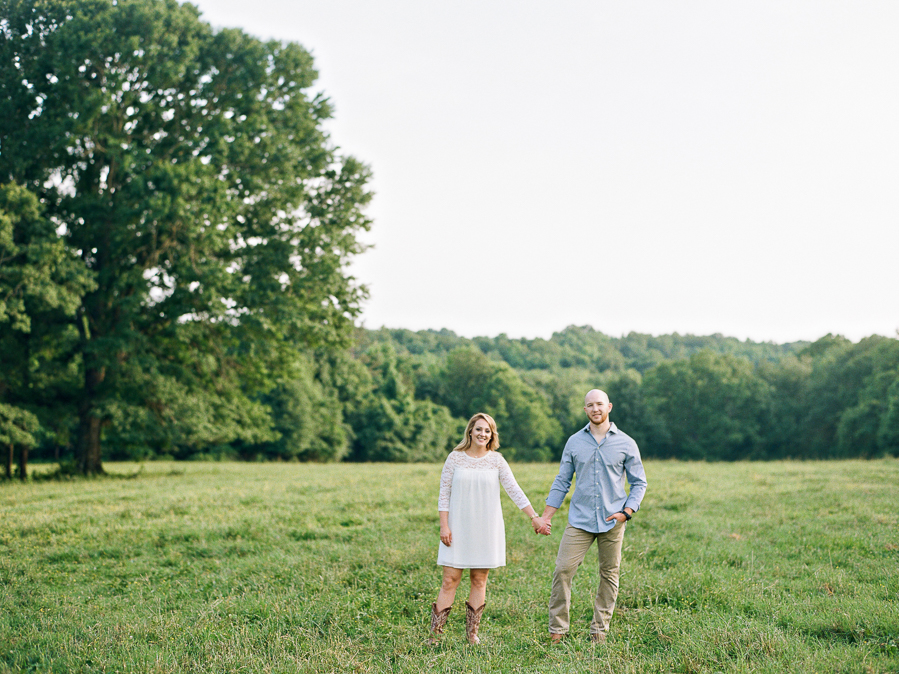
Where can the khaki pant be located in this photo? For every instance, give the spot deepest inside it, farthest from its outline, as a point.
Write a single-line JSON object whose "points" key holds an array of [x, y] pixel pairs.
{"points": [[572, 550]]}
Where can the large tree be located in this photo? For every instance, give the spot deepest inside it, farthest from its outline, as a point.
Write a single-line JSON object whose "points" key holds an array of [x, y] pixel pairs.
{"points": [[189, 170]]}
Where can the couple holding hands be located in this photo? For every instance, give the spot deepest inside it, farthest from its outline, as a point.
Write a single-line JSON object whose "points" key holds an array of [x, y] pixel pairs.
{"points": [[472, 533]]}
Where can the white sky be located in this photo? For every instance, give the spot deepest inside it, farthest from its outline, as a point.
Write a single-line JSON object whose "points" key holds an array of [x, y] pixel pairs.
{"points": [[695, 167]]}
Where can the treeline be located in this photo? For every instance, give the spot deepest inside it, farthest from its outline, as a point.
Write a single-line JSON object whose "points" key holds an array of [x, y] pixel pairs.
{"points": [[685, 397], [398, 395]]}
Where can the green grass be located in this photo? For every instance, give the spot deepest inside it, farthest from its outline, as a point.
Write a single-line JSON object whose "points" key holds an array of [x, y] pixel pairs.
{"points": [[747, 567]]}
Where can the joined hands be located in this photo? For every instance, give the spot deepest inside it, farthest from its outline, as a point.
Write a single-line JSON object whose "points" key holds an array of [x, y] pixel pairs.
{"points": [[541, 526]]}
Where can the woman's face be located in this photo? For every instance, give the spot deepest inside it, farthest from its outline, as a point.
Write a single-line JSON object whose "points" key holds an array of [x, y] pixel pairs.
{"points": [[481, 433]]}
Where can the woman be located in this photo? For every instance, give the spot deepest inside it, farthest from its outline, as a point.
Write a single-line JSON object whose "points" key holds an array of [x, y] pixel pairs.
{"points": [[472, 533]]}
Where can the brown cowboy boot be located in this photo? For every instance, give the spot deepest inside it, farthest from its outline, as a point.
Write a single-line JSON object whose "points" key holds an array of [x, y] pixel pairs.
{"points": [[473, 622], [438, 622]]}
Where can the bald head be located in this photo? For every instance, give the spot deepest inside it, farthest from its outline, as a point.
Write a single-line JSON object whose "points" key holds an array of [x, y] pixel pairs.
{"points": [[595, 395]]}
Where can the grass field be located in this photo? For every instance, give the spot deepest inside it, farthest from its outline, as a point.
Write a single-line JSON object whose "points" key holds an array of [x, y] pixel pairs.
{"points": [[748, 567]]}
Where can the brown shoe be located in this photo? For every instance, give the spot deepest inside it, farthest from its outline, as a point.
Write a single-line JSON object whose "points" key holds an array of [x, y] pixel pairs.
{"points": [[598, 637], [438, 622], [556, 638], [473, 622]]}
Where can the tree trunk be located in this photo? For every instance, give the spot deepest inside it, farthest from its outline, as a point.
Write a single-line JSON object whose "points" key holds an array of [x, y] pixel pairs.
{"points": [[9, 462], [88, 454], [23, 463], [89, 457]]}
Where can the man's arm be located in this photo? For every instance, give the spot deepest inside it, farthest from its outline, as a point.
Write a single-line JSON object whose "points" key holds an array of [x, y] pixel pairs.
{"points": [[559, 489], [636, 478], [548, 512]]}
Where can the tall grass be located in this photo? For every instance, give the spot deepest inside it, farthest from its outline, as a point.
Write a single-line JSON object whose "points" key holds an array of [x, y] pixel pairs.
{"points": [[748, 567]]}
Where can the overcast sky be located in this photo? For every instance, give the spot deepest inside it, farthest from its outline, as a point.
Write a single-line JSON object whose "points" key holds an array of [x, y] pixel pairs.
{"points": [[691, 167]]}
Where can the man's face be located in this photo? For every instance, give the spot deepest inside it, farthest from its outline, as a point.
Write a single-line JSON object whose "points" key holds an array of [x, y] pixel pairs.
{"points": [[597, 407]]}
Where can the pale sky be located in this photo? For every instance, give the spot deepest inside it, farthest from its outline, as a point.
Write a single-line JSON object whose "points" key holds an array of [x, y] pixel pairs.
{"points": [[691, 167]]}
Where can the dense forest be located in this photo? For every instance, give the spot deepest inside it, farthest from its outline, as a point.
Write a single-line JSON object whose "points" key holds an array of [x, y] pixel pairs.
{"points": [[176, 228], [398, 395]]}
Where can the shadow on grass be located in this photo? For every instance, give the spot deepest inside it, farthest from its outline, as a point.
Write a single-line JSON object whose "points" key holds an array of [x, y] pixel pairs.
{"points": [[67, 471], [883, 641]]}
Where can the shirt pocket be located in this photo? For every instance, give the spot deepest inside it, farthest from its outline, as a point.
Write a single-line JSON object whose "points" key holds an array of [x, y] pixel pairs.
{"points": [[584, 458], [614, 461]]}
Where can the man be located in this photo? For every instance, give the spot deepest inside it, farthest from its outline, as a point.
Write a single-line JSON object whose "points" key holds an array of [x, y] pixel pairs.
{"points": [[600, 455]]}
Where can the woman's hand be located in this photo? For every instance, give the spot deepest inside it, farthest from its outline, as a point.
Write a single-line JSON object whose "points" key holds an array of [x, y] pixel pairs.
{"points": [[446, 536]]}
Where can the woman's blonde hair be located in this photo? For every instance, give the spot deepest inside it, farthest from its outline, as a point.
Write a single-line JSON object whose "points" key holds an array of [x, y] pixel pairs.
{"points": [[492, 443]]}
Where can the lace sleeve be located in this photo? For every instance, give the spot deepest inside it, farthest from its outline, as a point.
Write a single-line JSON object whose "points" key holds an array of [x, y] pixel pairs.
{"points": [[507, 480], [446, 484]]}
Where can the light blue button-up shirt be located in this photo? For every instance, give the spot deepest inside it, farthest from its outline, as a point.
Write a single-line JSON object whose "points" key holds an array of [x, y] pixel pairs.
{"points": [[600, 468]]}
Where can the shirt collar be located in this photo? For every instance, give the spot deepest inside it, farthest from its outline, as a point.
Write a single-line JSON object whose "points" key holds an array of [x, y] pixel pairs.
{"points": [[612, 427]]}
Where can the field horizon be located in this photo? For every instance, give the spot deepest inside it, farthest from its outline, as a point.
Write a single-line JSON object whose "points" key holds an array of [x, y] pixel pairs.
{"points": [[781, 566]]}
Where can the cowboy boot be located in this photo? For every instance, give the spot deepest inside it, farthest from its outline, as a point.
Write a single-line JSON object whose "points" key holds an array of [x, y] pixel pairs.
{"points": [[438, 622], [473, 622]]}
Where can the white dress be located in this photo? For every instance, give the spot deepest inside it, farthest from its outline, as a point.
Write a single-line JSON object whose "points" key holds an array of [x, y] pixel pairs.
{"points": [[469, 492]]}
